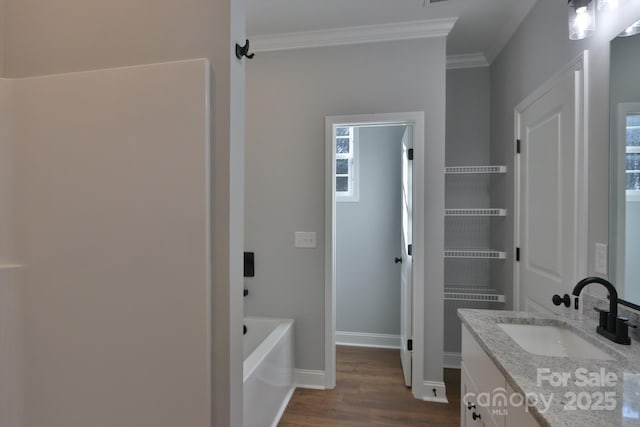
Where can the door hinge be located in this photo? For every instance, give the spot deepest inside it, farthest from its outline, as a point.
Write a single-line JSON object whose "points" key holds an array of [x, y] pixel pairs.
{"points": [[517, 254], [518, 146], [410, 250], [410, 345], [410, 153]]}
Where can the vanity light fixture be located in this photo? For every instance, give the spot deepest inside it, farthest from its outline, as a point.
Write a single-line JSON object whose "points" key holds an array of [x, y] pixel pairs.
{"points": [[631, 30], [582, 19]]}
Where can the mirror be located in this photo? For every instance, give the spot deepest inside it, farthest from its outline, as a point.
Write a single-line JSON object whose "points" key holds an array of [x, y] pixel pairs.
{"points": [[624, 215]]}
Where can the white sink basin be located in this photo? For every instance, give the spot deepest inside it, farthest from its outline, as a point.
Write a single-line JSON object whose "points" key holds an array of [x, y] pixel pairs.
{"points": [[556, 341]]}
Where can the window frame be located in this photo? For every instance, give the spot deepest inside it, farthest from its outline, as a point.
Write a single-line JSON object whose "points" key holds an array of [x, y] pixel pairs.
{"points": [[353, 194], [630, 195]]}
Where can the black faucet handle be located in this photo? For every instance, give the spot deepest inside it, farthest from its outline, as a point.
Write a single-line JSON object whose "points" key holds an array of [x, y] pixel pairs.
{"points": [[622, 330], [604, 317]]}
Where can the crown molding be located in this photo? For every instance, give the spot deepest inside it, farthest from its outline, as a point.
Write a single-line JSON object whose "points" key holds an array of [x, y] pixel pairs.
{"points": [[354, 35], [466, 60]]}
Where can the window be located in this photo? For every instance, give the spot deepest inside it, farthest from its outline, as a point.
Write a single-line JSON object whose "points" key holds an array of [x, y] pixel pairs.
{"points": [[632, 157], [345, 138]]}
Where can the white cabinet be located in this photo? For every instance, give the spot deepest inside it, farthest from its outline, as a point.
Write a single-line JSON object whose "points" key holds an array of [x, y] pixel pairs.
{"points": [[485, 394], [470, 414], [517, 415]]}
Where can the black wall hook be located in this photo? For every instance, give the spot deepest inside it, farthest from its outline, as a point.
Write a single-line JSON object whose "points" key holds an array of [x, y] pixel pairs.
{"points": [[244, 51]]}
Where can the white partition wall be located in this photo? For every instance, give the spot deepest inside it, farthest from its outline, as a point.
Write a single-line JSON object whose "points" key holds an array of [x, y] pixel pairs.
{"points": [[11, 389], [113, 204], [6, 173]]}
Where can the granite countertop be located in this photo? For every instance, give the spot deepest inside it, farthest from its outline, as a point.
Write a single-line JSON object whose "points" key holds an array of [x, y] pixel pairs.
{"points": [[601, 393]]}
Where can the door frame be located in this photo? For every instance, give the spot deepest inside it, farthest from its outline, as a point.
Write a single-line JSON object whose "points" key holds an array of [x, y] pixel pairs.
{"points": [[581, 244], [416, 120]]}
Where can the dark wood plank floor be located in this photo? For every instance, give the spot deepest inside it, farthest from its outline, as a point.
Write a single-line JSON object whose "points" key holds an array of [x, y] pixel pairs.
{"points": [[370, 391]]}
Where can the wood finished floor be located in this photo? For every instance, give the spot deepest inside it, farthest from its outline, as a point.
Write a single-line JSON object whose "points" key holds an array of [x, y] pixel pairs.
{"points": [[370, 391]]}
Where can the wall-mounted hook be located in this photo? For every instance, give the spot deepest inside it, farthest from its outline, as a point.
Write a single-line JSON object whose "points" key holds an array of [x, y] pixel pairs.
{"points": [[244, 51]]}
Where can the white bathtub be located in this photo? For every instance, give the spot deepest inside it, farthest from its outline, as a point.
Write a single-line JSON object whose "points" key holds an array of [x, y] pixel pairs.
{"points": [[268, 370]]}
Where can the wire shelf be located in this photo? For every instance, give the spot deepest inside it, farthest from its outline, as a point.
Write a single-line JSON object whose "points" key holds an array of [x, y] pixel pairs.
{"points": [[474, 253], [456, 170], [475, 212], [490, 295]]}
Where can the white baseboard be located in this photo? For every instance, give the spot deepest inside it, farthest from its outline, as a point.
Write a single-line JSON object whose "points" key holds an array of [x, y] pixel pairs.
{"points": [[452, 360], [361, 339], [305, 378], [285, 402], [435, 391]]}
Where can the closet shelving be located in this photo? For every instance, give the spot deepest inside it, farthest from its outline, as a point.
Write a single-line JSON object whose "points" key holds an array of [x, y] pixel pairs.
{"points": [[475, 212], [459, 170], [471, 250], [474, 253], [465, 293]]}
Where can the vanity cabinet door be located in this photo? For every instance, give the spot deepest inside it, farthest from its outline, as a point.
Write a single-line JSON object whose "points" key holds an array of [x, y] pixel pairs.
{"points": [[517, 416], [470, 414], [488, 380], [479, 377]]}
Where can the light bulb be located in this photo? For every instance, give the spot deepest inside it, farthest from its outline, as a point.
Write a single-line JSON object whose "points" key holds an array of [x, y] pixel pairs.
{"points": [[582, 21]]}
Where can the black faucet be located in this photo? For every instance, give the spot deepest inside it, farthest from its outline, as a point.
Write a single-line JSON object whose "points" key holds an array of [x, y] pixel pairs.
{"points": [[611, 326]]}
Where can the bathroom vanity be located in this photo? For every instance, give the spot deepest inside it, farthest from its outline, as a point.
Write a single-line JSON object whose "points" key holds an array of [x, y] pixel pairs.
{"points": [[522, 369]]}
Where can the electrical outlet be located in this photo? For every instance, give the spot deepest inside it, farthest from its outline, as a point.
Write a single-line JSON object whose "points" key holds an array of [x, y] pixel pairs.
{"points": [[305, 239], [601, 258]]}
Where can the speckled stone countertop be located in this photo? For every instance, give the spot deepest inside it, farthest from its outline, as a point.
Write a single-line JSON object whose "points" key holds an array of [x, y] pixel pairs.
{"points": [[573, 404]]}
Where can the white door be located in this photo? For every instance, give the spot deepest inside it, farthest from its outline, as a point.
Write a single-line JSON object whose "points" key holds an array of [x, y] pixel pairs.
{"points": [[548, 208], [406, 239]]}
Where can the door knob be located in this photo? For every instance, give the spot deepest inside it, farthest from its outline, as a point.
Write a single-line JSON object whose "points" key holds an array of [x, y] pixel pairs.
{"points": [[397, 260], [566, 300]]}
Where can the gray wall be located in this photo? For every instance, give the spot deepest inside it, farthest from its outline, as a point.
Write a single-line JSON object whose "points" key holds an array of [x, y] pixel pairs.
{"points": [[625, 63], [289, 94], [539, 49], [368, 238], [468, 117]]}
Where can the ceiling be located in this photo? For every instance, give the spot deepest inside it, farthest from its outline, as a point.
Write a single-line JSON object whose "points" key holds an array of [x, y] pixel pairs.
{"points": [[483, 26]]}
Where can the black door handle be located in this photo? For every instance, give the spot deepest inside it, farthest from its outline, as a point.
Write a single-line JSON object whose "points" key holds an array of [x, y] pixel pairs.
{"points": [[566, 300], [397, 260]]}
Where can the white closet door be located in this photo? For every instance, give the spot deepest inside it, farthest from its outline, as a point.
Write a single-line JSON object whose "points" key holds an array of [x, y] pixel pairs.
{"points": [[548, 195], [406, 275]]}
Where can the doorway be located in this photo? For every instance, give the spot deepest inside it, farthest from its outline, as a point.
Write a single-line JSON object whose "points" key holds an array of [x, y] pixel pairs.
{"points": [[344, 186]]}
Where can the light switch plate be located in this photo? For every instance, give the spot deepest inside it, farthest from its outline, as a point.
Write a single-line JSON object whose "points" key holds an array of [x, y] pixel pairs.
{"points": [[601, 258], [305, 239]]}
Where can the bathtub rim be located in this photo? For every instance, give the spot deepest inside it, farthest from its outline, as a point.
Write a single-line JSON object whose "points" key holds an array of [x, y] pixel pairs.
{"points": [[254, 360]]}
